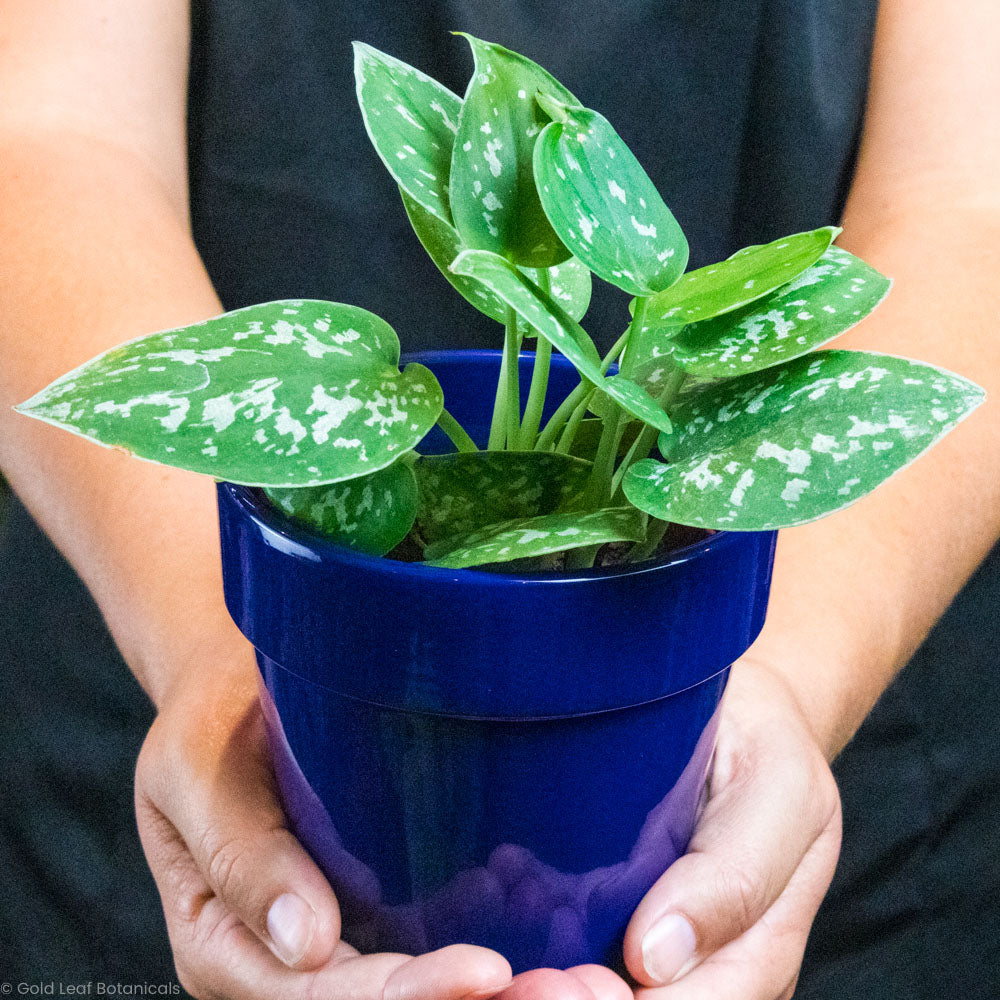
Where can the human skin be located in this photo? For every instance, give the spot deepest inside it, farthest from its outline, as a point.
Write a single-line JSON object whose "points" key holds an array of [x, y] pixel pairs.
{"points": [[96, 248]]}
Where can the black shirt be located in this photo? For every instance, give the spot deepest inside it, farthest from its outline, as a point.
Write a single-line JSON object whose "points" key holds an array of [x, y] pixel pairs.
{"points": [[746, 114]]}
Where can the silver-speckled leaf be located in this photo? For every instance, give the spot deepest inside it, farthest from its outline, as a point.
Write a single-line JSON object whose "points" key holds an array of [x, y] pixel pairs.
{"points": [[561, 330], [288, 393], [824, 301], [411, 120], [602, 203], [493, 197], [538, 536], [799, 441], [467, 491], [748, 275], [570, 281], [370, 514]]}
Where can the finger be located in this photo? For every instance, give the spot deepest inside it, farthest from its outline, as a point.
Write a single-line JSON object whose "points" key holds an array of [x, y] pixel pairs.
{"points": [[768, 805], [460, 970], [763, 963], [218, 956], [547, 984], [227, 814], [602, 982]]}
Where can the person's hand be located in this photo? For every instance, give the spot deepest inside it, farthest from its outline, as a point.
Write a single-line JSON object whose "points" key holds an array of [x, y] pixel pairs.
{"points": [[248, 912], [729, 920]]}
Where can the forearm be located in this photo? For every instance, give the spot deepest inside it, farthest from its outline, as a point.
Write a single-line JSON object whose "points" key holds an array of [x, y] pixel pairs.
{"points": [[95, 250], [854, 595]]}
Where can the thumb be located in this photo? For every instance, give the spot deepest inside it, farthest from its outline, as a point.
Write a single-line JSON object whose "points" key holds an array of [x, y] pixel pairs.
{"points": [[772, 797], [218, 794]]}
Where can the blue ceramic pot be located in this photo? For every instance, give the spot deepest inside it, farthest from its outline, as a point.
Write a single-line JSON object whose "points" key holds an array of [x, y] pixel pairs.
{"points": [[505, 760]]}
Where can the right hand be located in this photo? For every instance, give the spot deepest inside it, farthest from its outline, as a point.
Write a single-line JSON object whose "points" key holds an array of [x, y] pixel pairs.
{"points": [[250, 916]]}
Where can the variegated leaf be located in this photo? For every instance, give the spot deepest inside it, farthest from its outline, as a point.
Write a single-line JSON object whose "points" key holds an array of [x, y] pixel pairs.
{"points": [[561, 330], [824, 301], [411, 120], [493, 197], [569, 281], [370, 514], [798, 441], [538, 536], [467, 491], [602, 203], [748, 275], [287, 393]]}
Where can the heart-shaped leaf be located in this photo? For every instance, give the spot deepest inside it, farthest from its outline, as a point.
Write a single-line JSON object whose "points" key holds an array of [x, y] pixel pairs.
{"points": [[602, 203], [824, 301], [468, 491], [570, 281], [538, 536], [288, 393], [798, 441], [748, 275], [370, 514], [493, 197], [411, 120], [561, 330]]}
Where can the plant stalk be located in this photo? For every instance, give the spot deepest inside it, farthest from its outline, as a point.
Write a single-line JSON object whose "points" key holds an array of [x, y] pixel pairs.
{"points": [[570, 403], [457, 434], [598, 490], [498, 422], [539, 380], [654, 535], [641, 446], [512, 394], [568, 435]]}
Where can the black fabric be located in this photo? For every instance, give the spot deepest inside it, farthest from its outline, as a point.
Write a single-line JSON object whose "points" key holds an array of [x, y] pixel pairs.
{"points": [[745, 113]]}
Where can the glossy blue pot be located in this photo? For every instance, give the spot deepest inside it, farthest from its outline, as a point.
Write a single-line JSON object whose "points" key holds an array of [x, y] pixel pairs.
{"points": [[499, 759]]}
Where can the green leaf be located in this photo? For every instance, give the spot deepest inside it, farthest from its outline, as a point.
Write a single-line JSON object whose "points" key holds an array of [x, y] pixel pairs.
{"points": [[602, 203], [493, 196], [538, 536], [411, 120], [748, 275], [370, 514], [561, 330], [823, 302], [798, 441], [465, 492], [570, 281], [288, 393]]}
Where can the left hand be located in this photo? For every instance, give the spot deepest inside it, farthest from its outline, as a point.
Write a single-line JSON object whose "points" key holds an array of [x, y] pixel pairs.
{"points": [[739, 905], [731, 917]]}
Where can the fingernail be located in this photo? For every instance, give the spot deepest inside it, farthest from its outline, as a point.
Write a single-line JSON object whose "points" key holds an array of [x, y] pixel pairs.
{"points": [[290, 922], [667, 948]]}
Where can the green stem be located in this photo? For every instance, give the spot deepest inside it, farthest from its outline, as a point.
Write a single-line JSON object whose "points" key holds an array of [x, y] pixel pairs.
{"points": [[570, 403], [598, 489], [498, 422], [512, 395], [654, 535], [647, 436], [539, 379], [568, 435], [457, 434], [536, 395]]}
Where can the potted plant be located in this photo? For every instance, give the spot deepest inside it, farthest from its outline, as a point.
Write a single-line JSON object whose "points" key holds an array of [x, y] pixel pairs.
{"points": [[513, 755]]}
